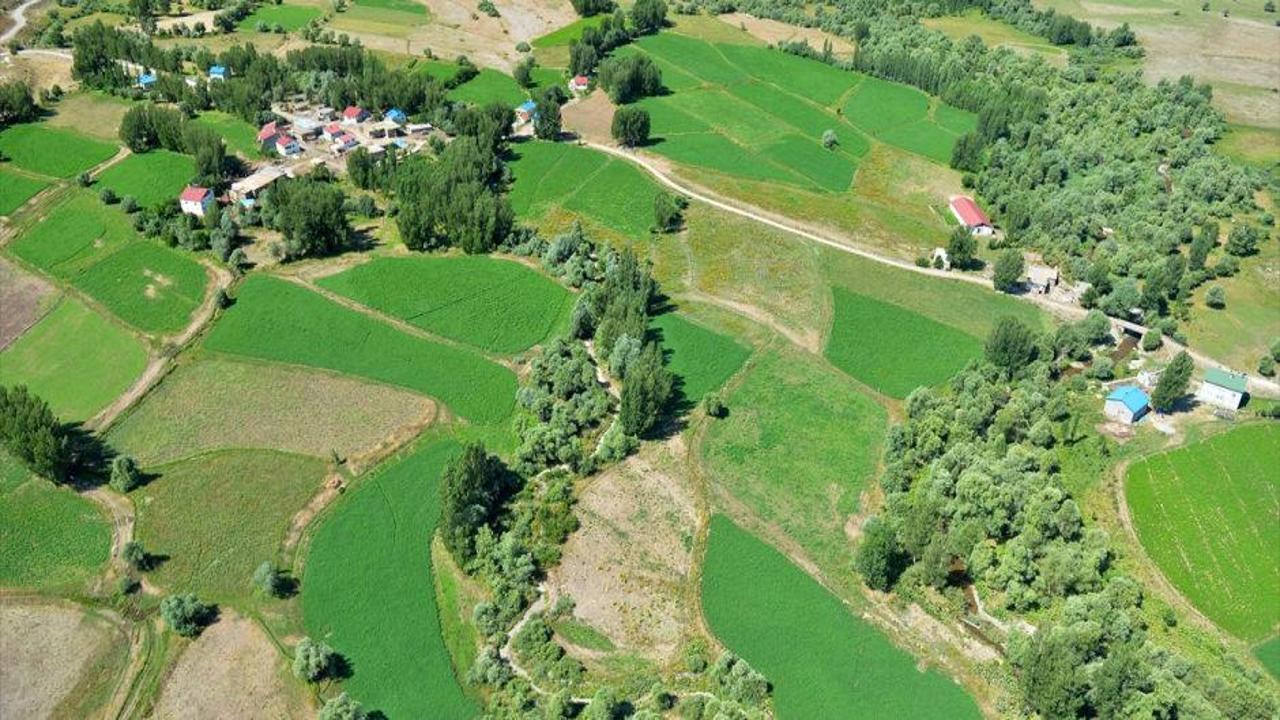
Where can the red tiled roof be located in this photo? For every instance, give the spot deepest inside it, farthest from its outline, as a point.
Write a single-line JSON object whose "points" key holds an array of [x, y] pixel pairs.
{"points": [[193, 193], [286, 140], [267, 131], [969, 212], [332, 129], [580, 80], [352, 111]]}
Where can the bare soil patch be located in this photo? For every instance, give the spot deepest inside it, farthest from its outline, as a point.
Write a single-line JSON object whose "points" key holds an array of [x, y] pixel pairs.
{"points": [[590, 117], [39, 71], [24, 298], [774, 32], [45, 649], [628, 568], [231, 671]]}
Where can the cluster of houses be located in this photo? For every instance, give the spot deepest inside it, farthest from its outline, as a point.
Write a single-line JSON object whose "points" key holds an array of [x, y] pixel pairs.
{"points": [[1222, 389], [146, 79]]}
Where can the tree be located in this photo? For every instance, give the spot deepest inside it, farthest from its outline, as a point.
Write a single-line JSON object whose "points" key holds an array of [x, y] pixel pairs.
{"points": [[583, 58], [546, 119], [962, 248], [666, 212], [472, 489], [30, 432], [523, 72], [1216, 297], [1243, 240], [1267, 366], [587, 8], [604, 705], [966, 155], [630, 126], [1173, 383], [1011, 344], [713, 405], [879, 559], [645, 392], [124, 474], [630, 78], [185, 614], [454, 201], [16, 103], [134, 554], [342, 707], [1008, 270], [1153, 340], [313, 661], [648, 16], [1051, 673], [269, 581]]}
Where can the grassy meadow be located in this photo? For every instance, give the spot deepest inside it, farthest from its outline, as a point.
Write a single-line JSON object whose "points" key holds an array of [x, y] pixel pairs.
{"points": [[494, 305], [240, 136], [75, 359], [894, 350], [1209, 515], [563, 182], [76, 233], [995, 33], [1268, 653], [490, 86], [289, 17], [276, 320], [368, 589], [823, 661], [17, 189], [701, 359], [151, 178], [53, 152]]}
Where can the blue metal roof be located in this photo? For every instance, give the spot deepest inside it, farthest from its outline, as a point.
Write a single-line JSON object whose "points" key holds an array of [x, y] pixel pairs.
{"points": [[1132, 397], [217, 70], [527, 106], [395, 115], [146, 78]]}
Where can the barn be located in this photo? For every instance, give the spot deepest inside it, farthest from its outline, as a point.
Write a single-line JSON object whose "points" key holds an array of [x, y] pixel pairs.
{"points": [[1223, 389], [1127, 404], [968, 214]]}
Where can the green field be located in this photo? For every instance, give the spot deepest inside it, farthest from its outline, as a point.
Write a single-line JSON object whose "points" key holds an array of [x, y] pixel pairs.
{"points": [[75, 359], [56, 153], [289, 17], [563, 37], [16, 190], [823, 661], [701, 359], [50, 537], [240, 136], [151, 287], [1268, 653], [490, 86], [557, 181], [405, 6], [217, 516], [1209, 515], [151, 178], [494, 305], [279, 407], [800, 444], [908, 118], [76, 233], [368, 590], [894, 350], [277, 320]]}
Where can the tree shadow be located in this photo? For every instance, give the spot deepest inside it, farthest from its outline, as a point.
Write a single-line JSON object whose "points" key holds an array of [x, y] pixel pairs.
{"points": [[340, 668]]}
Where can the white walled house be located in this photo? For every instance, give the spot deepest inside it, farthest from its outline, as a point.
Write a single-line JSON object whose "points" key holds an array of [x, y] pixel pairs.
{"points": [[1223, 389], [1127, 404], [195, 200]]}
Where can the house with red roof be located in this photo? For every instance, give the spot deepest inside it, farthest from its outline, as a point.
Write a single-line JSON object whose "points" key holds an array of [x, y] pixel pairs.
{"points": [[268, 131], [332, 131], [195, 200], [287, 145], [967, 212], [579, 84], [354, 115]]}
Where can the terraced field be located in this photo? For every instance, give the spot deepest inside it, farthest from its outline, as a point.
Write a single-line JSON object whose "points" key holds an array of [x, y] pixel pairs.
{"points": [[289, 17], [1209, 515], [561, 181]]}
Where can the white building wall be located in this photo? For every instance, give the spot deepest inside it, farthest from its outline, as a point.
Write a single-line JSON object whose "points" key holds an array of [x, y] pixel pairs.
{"points": [[1118, 411], [1219, 396]]}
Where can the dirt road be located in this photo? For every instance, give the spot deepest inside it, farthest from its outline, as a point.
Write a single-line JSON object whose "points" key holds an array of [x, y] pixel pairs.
{"points": [[19, 15]]}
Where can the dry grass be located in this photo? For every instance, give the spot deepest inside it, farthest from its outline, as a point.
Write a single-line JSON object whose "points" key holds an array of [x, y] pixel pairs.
{"points": [[774, 32], [25, 299], [45, 651], [39, 71], [90, 113]]}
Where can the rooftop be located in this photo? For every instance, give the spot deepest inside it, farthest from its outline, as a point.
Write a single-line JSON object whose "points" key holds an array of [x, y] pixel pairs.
{"points": [[1132, 397], [194, 193], [1226, 379], [968, 211]]}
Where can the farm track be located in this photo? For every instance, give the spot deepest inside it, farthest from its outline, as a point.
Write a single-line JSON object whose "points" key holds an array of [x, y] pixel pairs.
{"points": [[1257, 384], [19, 15]]}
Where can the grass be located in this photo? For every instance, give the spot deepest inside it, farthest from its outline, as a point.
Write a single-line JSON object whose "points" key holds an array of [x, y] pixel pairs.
{"points": [[240, 136], [289, 17], [216, 517], [701, 359], [799, 446], [405, 6], [76, 233], [1209, 515], [151, 178], [276, 320], [75, 359], [905, 117], [151, 287], [277, 407], [567, 35], [1240, 333], [822, 660], [16, 190], [368, 589], [495, 305], [1255, 146], [53, 152], [490, 86], [995, 34], [583, 635], [50, 537], [892, 349], [1268, 653], [561, 180], [91, 112]]}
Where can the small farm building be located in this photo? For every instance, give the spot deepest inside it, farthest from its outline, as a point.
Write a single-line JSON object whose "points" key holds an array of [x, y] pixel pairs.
{"points": [[1127, 404], [1222, 388], [218, 72], [525, 112], [1041, 278], [195, 200], [306, 129], [248, 187], [968, 214], [146, 80], [354, 115], [396, 115], [268, 132], [579, 83], [332, 131], [418, 128]]}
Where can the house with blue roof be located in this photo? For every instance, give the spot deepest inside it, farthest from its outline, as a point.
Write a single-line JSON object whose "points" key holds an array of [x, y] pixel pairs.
{"points": [[1127, 404], [146, 80], [526, 112], [395, 115], [218, 72]]}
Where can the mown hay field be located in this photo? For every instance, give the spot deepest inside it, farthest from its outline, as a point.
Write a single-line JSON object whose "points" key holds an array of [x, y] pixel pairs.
{"points": [[151, 178], [892, 349], [274, 319], [50, 537], [57, 153], [799, 446], [219, 403], [215, 517], [494, 305], [16, 190], [823, 661], [907, 118], [564, 179], [289, 17], [1209, 515], [701, 359], [75, 359], [368, 589], [76, 233]]}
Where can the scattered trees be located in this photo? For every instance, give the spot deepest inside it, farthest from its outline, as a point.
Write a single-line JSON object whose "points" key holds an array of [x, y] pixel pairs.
{"points": [[313, 660], [454, 201], [311, 214], [342, 707], [270, 581], [879, 559], [1216, 297], [546, 120], [648, 16], [16, 103], [630, 78], [630, 126], [125, 475], [1009, 267], [587, 8], [1173, 383], [962, 248], [668, 211], [1011, 344], [136, 556], [472, 490], [1152, 340]]}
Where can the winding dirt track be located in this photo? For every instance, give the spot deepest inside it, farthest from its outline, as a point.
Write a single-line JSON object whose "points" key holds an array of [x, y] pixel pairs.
{"points": [[19, 15]]}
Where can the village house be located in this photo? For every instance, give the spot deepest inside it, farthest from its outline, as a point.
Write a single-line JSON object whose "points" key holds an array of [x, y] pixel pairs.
{"points": [[267, 133], [146, 80], [354, 115], [287, 145], [332, 131], [306, 129], [218, 72], [968, 214], [246, 190], [343, 142], [579, 84], [195, 200], [325, 113], [395, 115], [1127, 404], [525, 112], [1222, 388]]}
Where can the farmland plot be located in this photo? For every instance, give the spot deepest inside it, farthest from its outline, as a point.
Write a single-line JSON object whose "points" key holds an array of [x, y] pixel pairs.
{"points": [[57, 153], [149, 286], [701, 359], [289, 17], [551, 177], [151, 178], [16, 190]]}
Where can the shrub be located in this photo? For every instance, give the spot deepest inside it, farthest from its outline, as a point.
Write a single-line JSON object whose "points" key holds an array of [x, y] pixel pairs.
{"points": [[714, 406], [1216, 297], [1102, 369], [1008, 270], [829, 139], [523, 47], [313, 661], [1152, 340], [342, 707], [185, 614], [269, 581], [84, 179], [124, 474], [1267, 366], [108, 196], [134, 554]]}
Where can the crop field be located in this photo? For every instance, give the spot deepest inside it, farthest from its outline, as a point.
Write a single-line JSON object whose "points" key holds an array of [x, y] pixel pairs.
{"points": [[240, 136], [277, 320], [149, 286], [75, 359], [217, 516], [53, 152], [49, 536], [16, 190], [405, 6], [908, 118], [1268, 653], [568, 34], [823, 661], [894, 350], [278, 407], [495, 305], [702, 359], [368, 589], [490, 86], [1209, 515], [76, 233], [553, 178], [151, 178], [800, 444], [289, 17]]}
